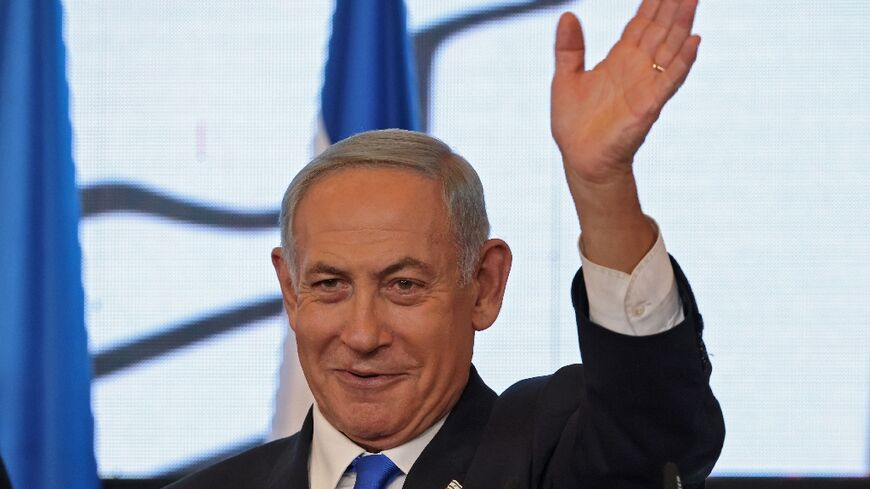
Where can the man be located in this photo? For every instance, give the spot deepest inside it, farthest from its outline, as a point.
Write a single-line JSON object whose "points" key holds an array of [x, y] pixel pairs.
{"points": [[387, 274]]}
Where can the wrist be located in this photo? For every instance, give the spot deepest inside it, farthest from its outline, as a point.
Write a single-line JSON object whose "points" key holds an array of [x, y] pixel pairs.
{"points": [[613, 198], [615, 232]]}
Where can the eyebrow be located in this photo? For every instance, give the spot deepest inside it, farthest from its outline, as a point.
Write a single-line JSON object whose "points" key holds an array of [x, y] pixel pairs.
{"points": [[406, 262], [326, 269], [401, 264]]}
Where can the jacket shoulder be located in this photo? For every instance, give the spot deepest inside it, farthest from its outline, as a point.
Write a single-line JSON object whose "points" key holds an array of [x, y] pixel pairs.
{"points": [[527, 395], [249, 469]]}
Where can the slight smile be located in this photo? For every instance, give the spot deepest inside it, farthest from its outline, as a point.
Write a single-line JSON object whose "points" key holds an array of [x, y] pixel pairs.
{"points": [[366, 379]]}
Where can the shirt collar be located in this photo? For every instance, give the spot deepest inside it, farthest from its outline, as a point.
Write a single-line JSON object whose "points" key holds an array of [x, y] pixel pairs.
{"points": [[332, 451]]}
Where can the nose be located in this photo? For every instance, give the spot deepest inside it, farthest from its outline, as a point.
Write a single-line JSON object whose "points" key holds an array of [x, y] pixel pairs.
{"points": [[366, 331]]}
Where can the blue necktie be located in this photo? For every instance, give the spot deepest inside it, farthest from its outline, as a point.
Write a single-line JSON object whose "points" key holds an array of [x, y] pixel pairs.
{"points": [[374, 471]]}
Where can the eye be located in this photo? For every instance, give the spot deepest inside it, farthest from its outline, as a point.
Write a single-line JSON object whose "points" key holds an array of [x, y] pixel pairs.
{"points": [[405, 284], [330, 289], [405, 288], [328, 284]]}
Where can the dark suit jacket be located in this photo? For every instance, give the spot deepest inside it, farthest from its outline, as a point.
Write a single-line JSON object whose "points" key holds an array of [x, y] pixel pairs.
{"points": [[4, 478], [635, 404]]}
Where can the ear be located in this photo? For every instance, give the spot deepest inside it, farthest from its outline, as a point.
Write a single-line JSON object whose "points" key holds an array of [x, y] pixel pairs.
{"points": [[288, 289], [489, 282]]}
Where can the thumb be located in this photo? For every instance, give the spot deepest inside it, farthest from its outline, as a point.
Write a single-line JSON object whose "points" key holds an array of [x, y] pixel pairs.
{"points": [[570, 48]]}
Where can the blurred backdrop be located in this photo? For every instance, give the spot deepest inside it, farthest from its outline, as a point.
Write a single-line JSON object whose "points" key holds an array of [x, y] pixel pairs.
{"points": [[190, 118]]}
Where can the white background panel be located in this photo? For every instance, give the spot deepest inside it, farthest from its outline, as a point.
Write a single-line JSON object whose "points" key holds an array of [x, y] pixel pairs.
{"points": [[188, 403], [757, 174]]}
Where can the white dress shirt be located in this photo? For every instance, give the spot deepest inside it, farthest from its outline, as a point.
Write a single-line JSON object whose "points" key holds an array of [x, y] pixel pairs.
{"points": [[642, 303], [332, 453]]}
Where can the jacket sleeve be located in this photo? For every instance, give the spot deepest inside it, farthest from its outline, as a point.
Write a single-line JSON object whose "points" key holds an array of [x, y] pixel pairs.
{"points": [[641, 402]]}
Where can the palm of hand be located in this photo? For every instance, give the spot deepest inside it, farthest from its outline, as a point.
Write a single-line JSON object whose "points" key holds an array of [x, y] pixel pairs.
{"points": [[602, 116]]}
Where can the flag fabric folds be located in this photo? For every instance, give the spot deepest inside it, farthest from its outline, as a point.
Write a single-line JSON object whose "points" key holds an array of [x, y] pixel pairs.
{"points": [[369, 83], [46, 424], [369, 80]]}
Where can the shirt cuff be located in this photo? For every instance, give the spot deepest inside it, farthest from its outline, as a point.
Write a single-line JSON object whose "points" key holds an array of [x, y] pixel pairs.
{"points": [[641, 304]]}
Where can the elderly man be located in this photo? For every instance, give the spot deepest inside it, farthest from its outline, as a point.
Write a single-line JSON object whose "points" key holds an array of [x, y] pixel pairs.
{"points": [[387, 273]]}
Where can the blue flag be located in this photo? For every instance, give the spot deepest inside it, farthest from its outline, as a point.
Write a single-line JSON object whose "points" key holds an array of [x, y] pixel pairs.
{"points": [[46, 425], [369, 80], [369, 83]]}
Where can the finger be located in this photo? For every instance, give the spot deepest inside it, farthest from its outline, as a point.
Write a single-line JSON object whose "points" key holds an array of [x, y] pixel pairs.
{"points": [[675, 75], [648, 9], [570, 48], [658, 29], [682, 28], [645, 14]]}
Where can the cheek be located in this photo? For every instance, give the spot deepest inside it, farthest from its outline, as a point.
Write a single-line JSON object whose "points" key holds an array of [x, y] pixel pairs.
{"points": [[439, 339], [314, 327]]}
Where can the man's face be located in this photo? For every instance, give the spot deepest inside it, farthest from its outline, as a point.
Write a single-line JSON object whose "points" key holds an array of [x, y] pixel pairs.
{"points": [[383, 329]]}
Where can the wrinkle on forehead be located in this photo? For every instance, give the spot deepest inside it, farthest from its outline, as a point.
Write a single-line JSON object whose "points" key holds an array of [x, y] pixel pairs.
{"points": [[373, 200], [372, 217]]}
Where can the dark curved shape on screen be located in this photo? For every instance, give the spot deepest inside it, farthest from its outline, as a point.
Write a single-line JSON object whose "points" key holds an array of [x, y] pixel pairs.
{"points": [[121, 197], [428, 40], [183, 335]]}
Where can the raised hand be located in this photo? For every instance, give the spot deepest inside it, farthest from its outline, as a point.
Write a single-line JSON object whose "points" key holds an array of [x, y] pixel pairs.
{"points": [[601, 117]]}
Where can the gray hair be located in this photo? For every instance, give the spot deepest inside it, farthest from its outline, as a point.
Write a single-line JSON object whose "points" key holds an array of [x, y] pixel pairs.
{"points": [[397, 148]]}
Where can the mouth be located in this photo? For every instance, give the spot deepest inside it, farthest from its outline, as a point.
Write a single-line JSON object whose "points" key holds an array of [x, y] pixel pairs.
{"points": [[367, 379]]}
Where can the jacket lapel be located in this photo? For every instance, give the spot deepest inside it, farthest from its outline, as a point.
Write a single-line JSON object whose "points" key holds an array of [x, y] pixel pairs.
{"points": [[291, 471]]}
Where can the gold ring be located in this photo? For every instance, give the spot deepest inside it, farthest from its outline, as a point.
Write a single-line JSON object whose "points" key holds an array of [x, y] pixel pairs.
{"points": [[658, 67]]}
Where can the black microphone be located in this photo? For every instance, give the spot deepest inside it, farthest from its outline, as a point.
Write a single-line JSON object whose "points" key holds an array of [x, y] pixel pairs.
{"points": [[672, 477]]}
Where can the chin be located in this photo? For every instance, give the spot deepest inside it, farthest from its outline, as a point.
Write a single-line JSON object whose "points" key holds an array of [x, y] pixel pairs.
{"points": [[370, 424]]}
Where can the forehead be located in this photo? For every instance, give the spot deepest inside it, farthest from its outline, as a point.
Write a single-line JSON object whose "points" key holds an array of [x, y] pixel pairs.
{"points": [[359, 206]]}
